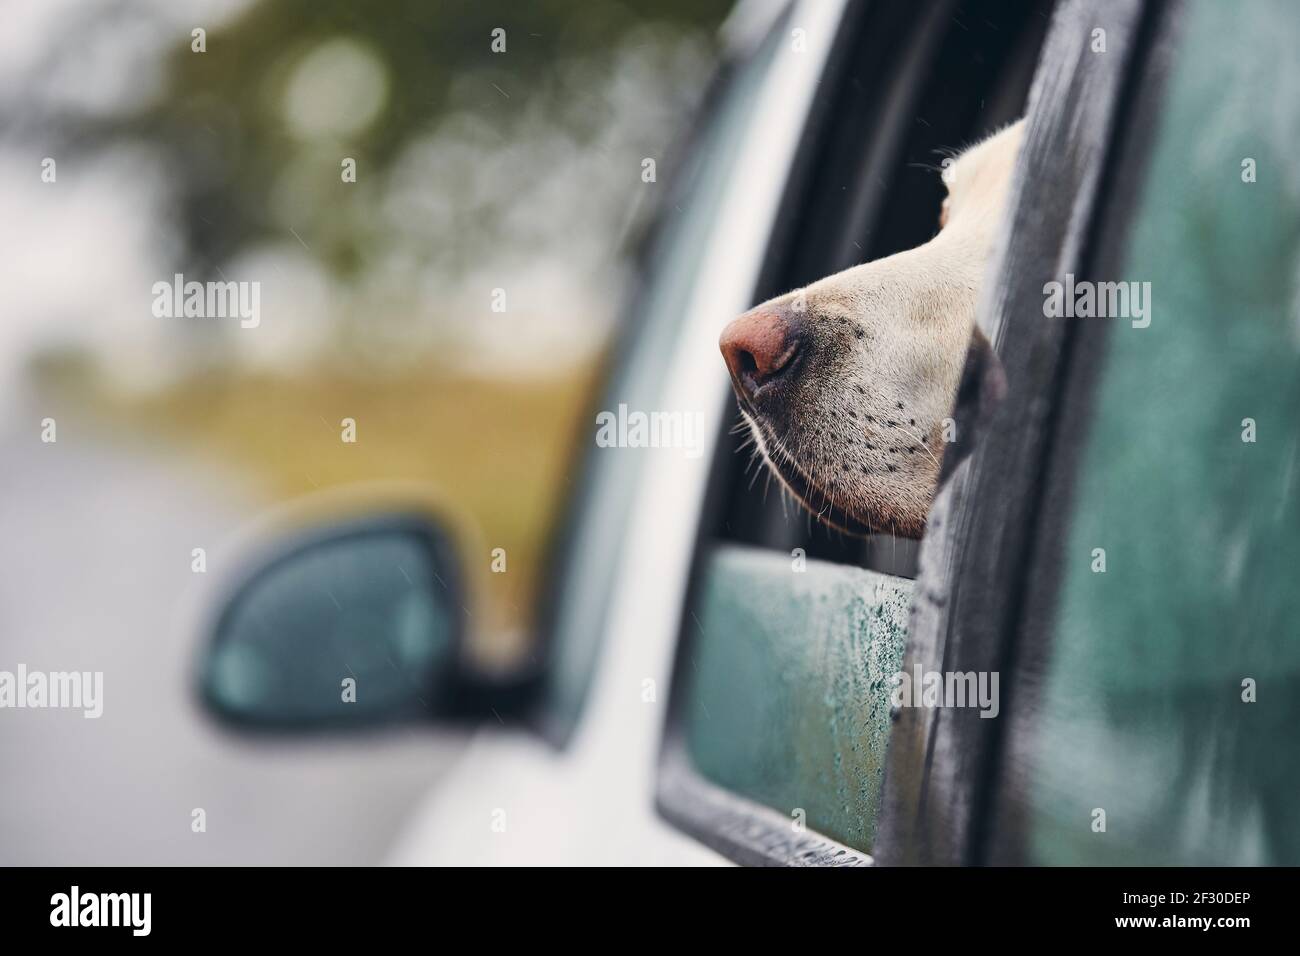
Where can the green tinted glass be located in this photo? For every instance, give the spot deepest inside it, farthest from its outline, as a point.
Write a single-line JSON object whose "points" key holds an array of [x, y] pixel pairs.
{"points": [[787, 684], [1189, 484]]}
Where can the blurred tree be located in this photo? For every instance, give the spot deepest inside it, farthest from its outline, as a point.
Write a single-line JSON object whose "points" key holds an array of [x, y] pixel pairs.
{"points": [[223, 125]]}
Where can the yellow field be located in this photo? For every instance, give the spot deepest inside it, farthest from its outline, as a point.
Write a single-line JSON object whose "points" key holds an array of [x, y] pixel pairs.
{"points": [[502, 453]]}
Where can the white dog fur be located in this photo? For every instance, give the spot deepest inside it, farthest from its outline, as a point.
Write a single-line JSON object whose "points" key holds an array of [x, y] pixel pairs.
{"points": [[854, 427]]}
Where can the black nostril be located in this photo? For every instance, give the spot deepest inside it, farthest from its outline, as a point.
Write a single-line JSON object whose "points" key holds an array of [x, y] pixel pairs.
{"points": [[760, 347], [755, 376]]}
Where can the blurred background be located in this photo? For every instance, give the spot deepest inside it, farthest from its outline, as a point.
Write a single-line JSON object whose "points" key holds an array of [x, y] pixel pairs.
{"points": [[482, 179]]}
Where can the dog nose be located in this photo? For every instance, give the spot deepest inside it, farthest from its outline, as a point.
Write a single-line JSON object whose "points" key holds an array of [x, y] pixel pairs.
{"points": [[759, 347]]}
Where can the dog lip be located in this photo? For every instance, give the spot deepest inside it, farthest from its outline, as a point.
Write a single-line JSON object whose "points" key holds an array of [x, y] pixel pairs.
{"points": [[800, 485], [803, 488]]}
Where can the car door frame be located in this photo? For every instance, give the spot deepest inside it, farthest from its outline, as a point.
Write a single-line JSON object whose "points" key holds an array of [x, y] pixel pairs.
{"points": [[999, 521], [941, 781], [742, 829]]}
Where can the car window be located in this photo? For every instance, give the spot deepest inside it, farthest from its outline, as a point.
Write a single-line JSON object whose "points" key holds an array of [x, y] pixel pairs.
{"points": [[595, 535], [793, 632], [789, 687], [1174, 682]]}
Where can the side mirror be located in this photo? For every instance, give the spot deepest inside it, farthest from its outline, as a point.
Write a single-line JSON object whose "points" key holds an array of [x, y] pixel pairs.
{"points": [[355, 623]]}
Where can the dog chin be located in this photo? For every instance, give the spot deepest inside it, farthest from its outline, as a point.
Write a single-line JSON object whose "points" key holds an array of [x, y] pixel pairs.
{"points": [[811, 497]]}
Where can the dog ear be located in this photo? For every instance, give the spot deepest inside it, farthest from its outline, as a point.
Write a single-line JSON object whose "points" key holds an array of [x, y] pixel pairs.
{"points": [[983, 386]]}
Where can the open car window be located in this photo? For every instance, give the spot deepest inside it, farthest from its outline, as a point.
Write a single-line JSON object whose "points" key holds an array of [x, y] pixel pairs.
{"points": [[780, 717]]}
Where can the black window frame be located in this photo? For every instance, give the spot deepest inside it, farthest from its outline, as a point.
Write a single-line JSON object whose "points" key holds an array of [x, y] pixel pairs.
{"points": [[741, 829]]}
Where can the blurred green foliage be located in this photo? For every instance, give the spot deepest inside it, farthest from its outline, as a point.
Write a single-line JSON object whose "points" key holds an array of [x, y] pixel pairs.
{"points": [[521, 165], [221, 127]]}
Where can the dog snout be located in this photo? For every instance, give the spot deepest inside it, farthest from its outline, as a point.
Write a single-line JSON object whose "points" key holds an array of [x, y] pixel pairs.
{"points": [[761, 347]]}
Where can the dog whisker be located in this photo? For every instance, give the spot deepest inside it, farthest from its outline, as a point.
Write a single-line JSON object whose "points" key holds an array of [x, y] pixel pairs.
{"points": [[921, 444], [796, 360]]}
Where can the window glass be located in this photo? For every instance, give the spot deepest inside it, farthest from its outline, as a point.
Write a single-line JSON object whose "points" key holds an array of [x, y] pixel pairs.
{"points": [[1174, 691], [787, 688]]}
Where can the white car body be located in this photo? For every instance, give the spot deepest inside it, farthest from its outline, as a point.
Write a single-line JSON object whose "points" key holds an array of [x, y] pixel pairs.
{"points": [[515, 799]]}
